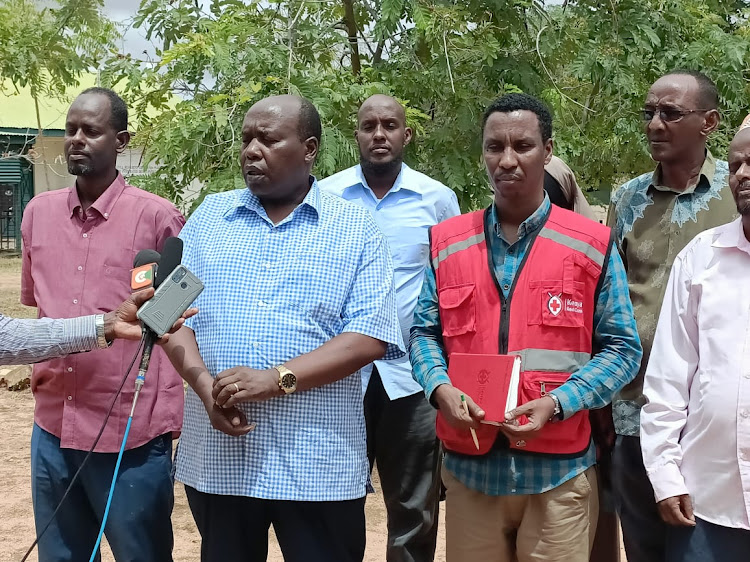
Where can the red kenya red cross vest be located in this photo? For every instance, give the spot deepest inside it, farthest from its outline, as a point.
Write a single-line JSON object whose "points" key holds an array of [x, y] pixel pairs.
{"points": [[547, 318]]}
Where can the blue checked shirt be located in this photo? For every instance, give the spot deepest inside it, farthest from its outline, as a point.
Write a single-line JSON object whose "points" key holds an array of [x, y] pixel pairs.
{"points": [[404, 215], [272, 293], [504, 471], [32, 340]]}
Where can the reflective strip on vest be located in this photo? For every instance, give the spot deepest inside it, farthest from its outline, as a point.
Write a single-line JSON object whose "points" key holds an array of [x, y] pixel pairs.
{"points": [[551, 360], [573, 243], [457, 247]]}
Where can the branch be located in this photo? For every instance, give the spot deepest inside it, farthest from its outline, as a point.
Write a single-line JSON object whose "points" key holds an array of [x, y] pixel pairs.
{"points": [[544, 66]]}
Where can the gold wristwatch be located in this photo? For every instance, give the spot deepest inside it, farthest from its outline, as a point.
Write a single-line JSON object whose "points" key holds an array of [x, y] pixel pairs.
{"points": [[287, 379]]}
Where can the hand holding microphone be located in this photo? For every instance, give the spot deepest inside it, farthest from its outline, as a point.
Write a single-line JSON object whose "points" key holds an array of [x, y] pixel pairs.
{"points": [[122, 323]]}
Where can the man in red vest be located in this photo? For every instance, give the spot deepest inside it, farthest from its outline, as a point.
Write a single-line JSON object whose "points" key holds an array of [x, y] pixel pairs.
{"points": [[527, 278]]}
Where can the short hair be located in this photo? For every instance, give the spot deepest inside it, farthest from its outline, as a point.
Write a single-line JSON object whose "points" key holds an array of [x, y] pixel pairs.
{"points": [[309, 121], [118, 110], [708, 93], [517, 102]]}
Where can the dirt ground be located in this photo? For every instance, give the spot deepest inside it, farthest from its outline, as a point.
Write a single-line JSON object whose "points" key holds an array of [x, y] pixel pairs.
{"points": [[16, 519]]}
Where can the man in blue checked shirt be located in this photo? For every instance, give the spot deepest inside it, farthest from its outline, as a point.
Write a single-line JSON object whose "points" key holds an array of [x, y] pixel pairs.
{"points": [[400, 422], [528, 278], [298, 297]]}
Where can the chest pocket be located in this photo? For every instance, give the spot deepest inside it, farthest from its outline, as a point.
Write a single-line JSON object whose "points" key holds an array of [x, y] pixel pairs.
{"points": [[409, 247], [562, 302], [458, 309]]}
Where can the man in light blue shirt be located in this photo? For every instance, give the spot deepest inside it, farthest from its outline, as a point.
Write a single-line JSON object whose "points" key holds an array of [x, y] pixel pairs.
{"points": [[400, 422], [298, 297]]}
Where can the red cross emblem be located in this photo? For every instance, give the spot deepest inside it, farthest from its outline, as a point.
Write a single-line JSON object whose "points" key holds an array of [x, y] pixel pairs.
{"points": [[554, 304]]}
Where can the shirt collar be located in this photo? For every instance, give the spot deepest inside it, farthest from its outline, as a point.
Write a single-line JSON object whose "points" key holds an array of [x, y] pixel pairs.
{"points": [[531, 224], [732, 235], [106, 201], [705, 176], [401, 183], [245, 199]]}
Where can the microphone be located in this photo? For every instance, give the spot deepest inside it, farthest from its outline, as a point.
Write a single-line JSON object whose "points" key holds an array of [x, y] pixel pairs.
{"points": [[144, 269], [170, 258]]}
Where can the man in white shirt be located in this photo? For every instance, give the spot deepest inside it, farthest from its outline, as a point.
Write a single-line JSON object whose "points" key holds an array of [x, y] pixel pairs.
{"points": [[400, 422], [695, 426]]}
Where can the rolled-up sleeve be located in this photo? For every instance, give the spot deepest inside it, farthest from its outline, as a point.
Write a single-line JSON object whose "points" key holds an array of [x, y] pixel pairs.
{"points": [[370, 306], [671, 368]]}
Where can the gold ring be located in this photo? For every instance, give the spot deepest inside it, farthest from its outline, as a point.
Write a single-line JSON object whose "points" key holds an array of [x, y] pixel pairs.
{"points": [[237, 387]]}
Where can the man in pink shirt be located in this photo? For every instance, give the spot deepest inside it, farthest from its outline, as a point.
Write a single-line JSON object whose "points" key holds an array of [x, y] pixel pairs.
{"points": [[695, 425], [79, 246]]}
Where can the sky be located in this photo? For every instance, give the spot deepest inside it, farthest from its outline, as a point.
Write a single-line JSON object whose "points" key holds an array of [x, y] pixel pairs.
{"points": [[134, 40]]}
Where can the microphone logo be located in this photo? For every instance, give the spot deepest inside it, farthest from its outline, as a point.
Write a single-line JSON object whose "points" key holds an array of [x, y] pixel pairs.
{"points": [[142, 277]]}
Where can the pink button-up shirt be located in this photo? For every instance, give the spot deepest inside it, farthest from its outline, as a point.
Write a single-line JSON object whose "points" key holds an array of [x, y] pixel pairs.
{"points": [[695, 427], [77, 263]]}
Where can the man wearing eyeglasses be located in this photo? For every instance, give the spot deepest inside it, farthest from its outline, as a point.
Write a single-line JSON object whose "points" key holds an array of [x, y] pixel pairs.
{"points": [[653, 217]]}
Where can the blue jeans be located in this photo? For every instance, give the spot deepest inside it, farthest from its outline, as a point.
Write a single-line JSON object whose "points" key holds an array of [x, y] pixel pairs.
{"points": [[707, 542], [139, 526]]}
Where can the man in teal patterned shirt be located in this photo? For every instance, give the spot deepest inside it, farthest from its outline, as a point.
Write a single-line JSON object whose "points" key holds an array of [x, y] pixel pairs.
{"points": [[653, 217]]}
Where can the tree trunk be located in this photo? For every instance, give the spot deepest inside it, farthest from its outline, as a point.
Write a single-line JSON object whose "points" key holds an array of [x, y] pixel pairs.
{"points": [[351, 30], [40, 140]]}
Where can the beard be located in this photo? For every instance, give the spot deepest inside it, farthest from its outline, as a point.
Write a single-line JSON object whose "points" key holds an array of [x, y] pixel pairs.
{"points": [[381, 168], [80, 169]]}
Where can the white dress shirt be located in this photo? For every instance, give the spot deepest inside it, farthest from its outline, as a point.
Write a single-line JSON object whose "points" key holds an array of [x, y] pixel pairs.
{"points": [[404, 215], [695, 427]]}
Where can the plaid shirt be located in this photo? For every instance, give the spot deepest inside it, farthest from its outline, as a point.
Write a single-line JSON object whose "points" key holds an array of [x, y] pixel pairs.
{"points": [[272, 293], [504, 471]]}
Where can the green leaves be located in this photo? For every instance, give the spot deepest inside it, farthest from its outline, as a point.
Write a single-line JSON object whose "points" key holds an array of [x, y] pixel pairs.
{"points": [[446, 60]]}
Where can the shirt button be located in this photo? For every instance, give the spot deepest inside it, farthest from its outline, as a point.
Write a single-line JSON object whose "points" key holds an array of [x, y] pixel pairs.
{"points": [[745, 414], [746, 375], [267, 265], [75, 301], [70, 398], [85, 235], [70, 369], [261, 303], [106, 215], [745, 456], [80, 268], [506, 287]]}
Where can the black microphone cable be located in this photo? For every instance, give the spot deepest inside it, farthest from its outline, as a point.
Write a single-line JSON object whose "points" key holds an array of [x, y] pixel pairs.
{"points": [[90, 451]]}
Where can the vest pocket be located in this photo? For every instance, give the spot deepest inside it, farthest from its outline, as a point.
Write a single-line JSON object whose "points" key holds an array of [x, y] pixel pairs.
{"points": [[457, 309], [556, 303]]}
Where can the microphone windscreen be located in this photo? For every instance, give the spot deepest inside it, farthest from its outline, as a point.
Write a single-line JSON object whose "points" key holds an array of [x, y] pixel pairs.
{"points": [[146, 256], [171, 256]]}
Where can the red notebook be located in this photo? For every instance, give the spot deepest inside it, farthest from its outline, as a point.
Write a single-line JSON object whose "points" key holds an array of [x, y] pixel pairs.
{"points": [[490, 380]]}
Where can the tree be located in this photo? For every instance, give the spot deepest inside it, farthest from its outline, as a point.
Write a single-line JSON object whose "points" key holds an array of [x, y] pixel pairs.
{"points": [[444, 59], [47, 49]]}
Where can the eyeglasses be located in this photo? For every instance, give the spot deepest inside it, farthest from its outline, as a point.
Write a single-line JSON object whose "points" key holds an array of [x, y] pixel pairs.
{"points": [[668, 114]]}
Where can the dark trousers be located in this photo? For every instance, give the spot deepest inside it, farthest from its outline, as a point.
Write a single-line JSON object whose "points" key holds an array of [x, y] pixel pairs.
{"points": [[707, 542], [139, 525], [401, 441], [235, 528], [643, 530]]}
